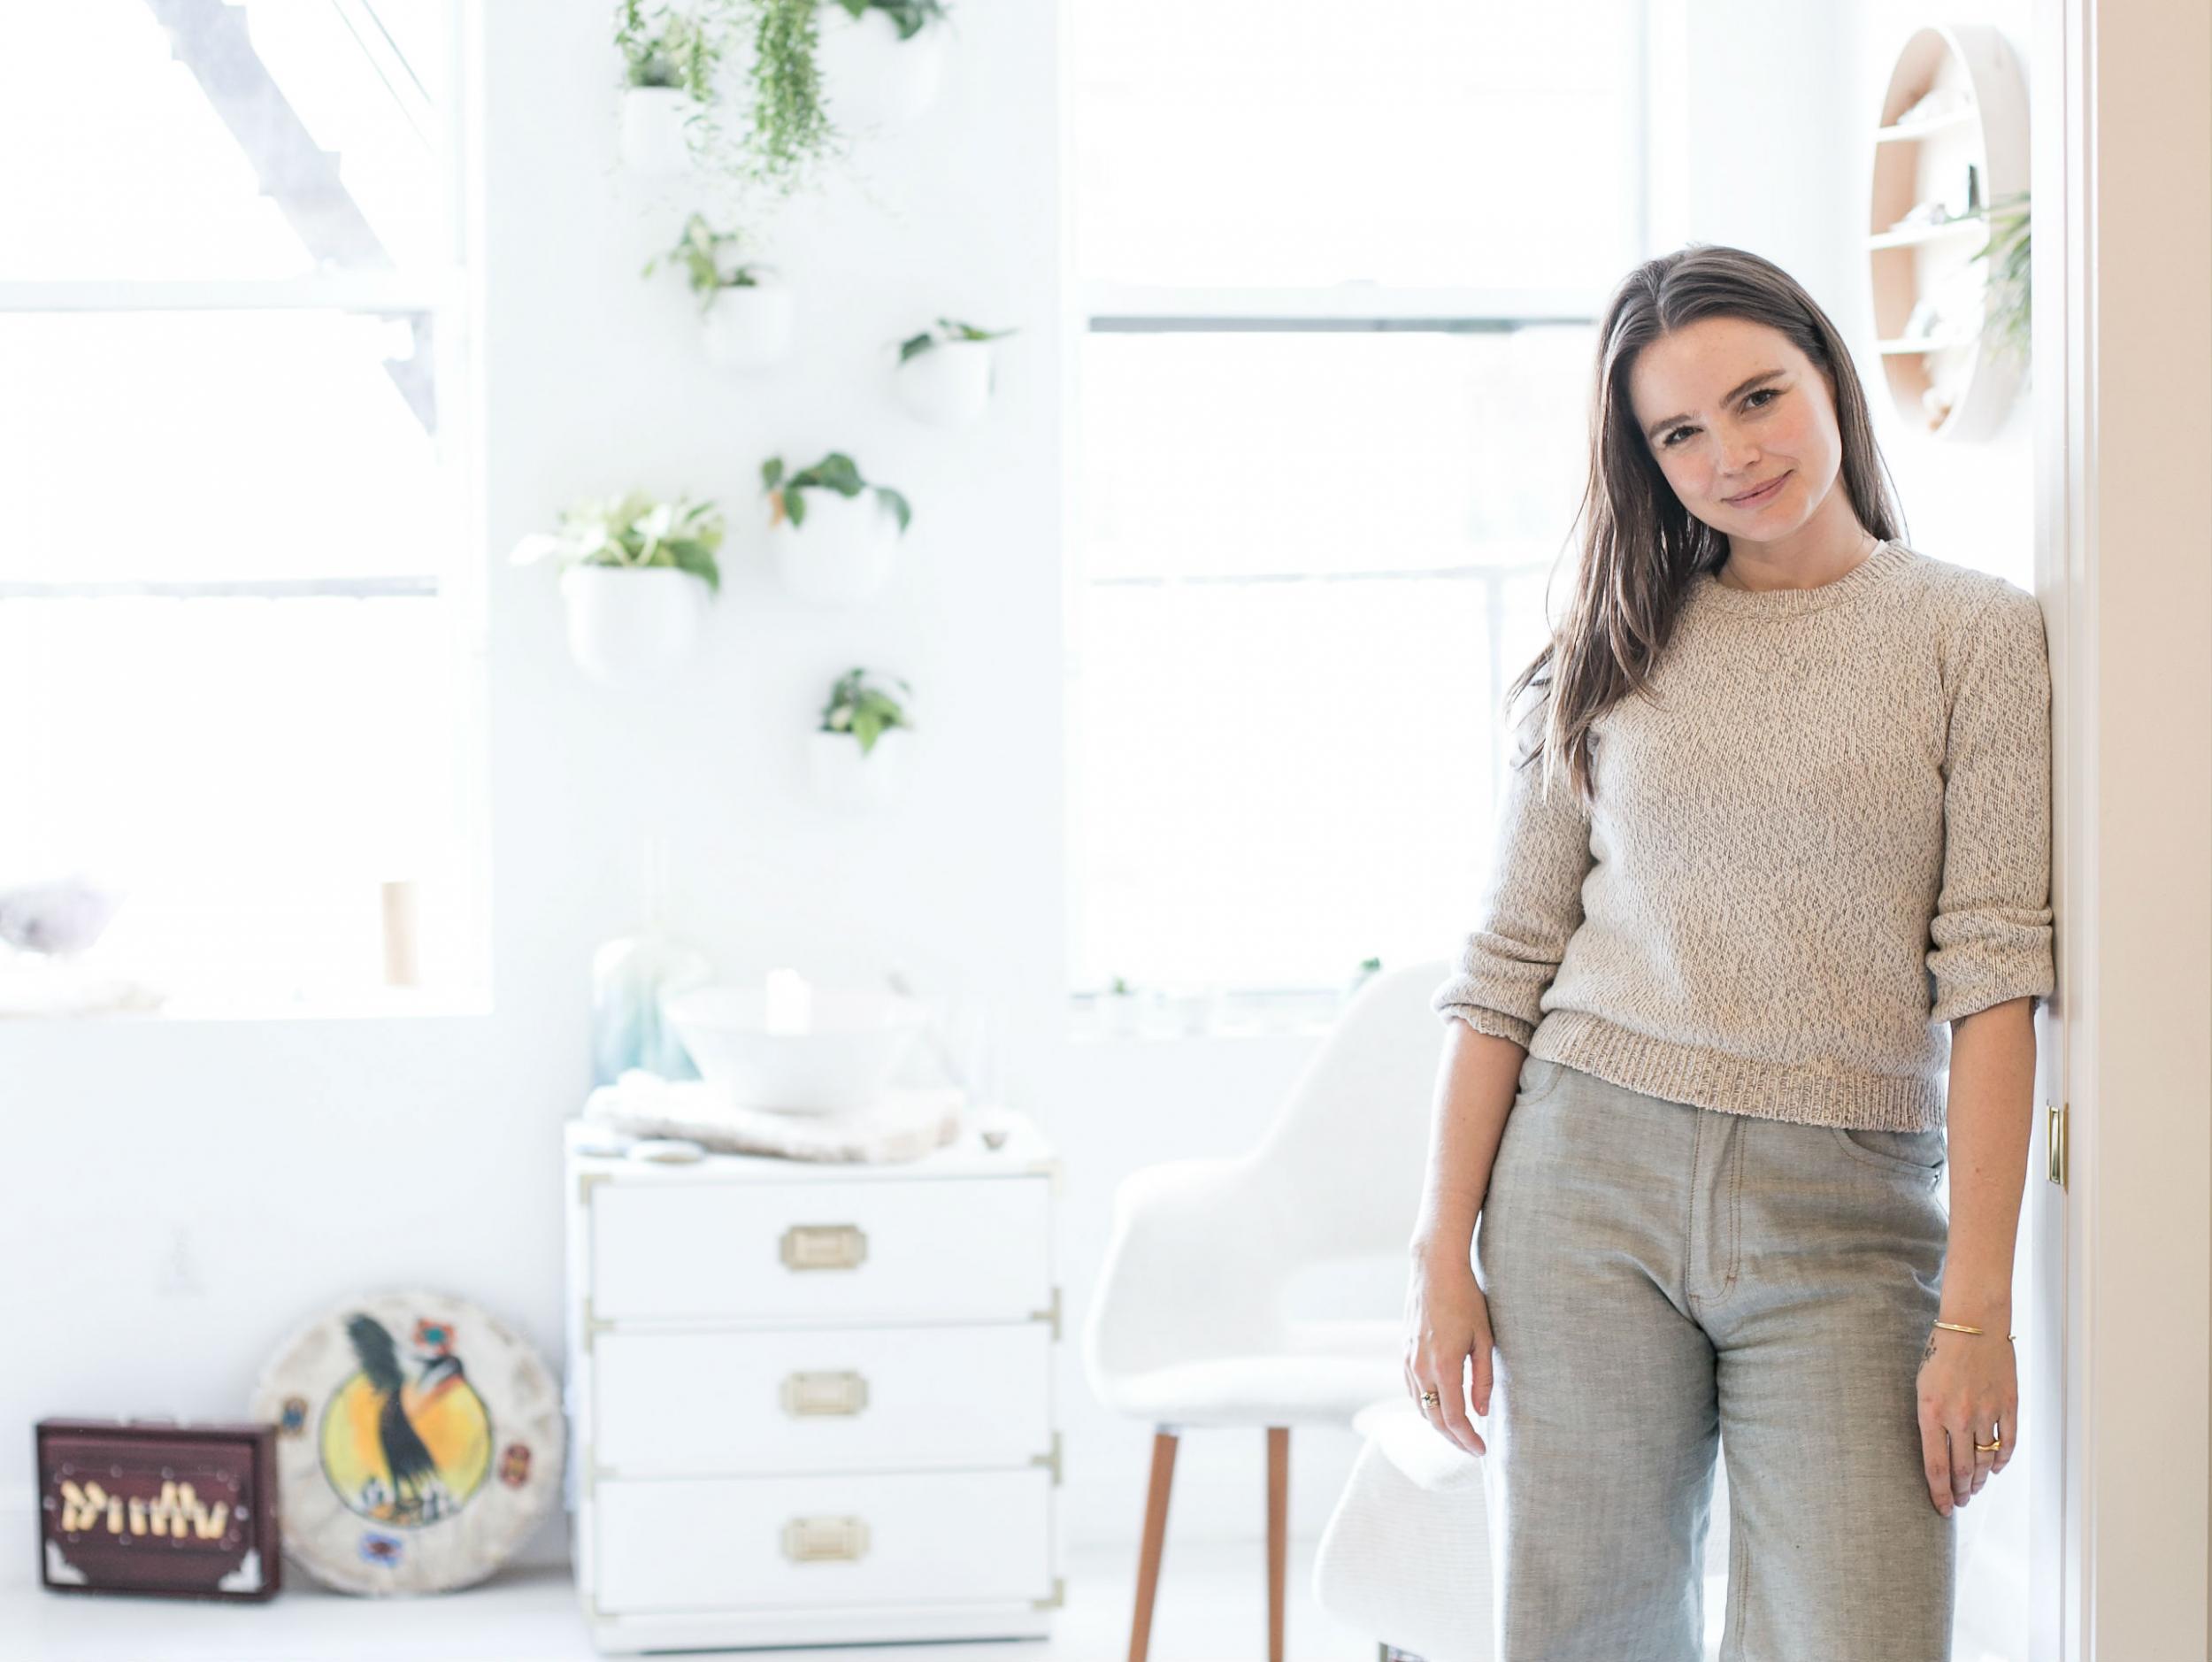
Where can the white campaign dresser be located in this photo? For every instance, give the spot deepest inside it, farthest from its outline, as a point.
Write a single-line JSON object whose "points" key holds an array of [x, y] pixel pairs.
{"points": [[812, 1402]]}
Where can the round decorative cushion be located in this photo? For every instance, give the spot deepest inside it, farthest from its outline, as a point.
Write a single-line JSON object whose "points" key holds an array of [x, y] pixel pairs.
{"points": [[418, 1442]]}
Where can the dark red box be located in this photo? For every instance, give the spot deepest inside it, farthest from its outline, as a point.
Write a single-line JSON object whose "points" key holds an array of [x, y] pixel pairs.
{"points": [[158, 1507]]}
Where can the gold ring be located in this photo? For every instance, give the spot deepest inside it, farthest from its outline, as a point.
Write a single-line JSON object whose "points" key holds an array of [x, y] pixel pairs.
{"points": [[1430, 1397]]}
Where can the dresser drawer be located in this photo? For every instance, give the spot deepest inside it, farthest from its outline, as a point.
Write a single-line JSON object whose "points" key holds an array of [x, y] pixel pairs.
{"points": [[952, 1250], [813, 1399], [678, 1544]]}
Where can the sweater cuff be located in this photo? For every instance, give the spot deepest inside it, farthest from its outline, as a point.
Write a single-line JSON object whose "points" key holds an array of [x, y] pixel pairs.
{"points": [[1484, 1020]]}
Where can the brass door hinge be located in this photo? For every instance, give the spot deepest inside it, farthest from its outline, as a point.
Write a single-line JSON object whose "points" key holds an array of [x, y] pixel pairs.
{"points": [[1059, 1595], [1051, 1460], [593, 1326], [2055, 1116], [1051, 1313], [586, 1181]]}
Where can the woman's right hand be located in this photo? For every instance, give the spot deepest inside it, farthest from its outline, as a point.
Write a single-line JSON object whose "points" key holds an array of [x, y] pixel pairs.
{"points": [[1447, 1321]]}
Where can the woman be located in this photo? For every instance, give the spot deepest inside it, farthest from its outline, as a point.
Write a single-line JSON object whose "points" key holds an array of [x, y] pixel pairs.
{"points": [[1776, 846]]}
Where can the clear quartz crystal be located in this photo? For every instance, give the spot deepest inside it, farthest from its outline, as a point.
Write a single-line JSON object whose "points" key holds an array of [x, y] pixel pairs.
{"points": [[629, 976]]}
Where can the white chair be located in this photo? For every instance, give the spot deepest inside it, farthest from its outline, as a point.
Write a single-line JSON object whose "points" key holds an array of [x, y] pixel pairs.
{"points": [[1185, 1325], [1406, 1553]]}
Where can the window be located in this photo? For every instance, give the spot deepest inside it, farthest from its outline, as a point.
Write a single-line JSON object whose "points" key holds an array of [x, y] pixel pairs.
{"points": [[1338, 279], [239, 623]]}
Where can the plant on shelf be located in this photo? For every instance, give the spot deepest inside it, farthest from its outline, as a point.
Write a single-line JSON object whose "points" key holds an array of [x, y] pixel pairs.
{"points": [[636, 574], [835, 472], [702, 251], [864, 710], [2007, 317]]}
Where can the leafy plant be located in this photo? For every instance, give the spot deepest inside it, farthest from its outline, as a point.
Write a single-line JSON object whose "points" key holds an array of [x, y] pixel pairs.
{"points": [[2007, 317], [910, 15], [663, 47], [633, 530], [946, 331], [864, 709], [834, 472], [699, 251], [791, 131]]}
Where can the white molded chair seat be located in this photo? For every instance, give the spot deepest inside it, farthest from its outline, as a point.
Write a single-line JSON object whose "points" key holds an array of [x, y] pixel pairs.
{"points": [[1186, 1325]]}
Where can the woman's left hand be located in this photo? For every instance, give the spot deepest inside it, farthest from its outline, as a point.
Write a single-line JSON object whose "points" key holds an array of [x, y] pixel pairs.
{"points": [[1969, 1383]]}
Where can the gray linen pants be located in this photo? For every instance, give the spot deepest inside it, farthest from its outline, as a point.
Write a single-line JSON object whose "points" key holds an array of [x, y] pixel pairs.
{"points": [[1663, 1278]]}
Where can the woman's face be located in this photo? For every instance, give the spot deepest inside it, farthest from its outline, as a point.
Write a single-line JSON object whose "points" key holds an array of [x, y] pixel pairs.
{"points": [[1729, 407]]}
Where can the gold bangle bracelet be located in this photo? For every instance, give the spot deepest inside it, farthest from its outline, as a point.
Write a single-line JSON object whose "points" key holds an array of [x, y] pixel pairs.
{"points": [[1959, 1326]]}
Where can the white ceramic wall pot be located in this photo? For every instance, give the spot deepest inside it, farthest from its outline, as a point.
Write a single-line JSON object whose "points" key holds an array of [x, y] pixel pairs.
{"points": [[633, 627], [948, 385], [841, 555], [748, 327], [844, 777], [871, 78], [653, 120]]}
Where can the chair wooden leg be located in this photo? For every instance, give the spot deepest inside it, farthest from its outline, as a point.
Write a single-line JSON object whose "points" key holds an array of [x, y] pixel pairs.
{"points": [[1164, 1444], [1278, 1533]]}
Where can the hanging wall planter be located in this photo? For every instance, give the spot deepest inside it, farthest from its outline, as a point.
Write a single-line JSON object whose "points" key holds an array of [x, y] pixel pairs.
{"points": [[861, 756], [637, 577], [880, 65], [746, 310], [834, 534], [945, 375], [669, 60]]}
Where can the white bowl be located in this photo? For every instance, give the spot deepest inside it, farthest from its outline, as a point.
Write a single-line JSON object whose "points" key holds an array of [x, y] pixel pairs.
{"points": [[854, 1039]]}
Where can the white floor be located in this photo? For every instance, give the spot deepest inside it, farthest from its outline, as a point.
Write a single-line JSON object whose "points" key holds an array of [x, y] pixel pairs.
{"points": [[1212, 1606]]}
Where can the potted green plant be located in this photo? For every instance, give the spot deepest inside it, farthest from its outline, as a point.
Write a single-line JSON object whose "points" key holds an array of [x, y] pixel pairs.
{"points": [[1117, 1009], [746, 310], [636, 575], [669, 59], [858, 757], [881, 61], [2007, 319], [944, 375], [833, 533]]}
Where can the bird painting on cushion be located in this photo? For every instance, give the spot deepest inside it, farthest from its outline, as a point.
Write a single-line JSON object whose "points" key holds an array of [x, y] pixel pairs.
{"points": [[406, 1451]]}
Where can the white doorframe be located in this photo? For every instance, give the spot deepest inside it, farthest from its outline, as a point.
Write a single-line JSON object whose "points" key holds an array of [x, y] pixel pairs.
{"points": [[2124, 394]]}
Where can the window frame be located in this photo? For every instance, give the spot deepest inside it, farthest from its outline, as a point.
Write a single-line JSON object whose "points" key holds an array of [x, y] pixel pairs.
{"points": [[444, 291]]}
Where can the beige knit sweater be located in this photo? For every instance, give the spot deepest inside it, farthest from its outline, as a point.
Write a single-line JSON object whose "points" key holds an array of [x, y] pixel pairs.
{"points": [[1826, 835]]}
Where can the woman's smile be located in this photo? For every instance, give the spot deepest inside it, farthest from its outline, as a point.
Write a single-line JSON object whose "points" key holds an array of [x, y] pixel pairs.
{"points": [[1760, 497]]}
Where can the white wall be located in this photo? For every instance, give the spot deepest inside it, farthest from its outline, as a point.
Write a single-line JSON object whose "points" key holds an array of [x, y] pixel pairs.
{"points": [[179, 1195]]}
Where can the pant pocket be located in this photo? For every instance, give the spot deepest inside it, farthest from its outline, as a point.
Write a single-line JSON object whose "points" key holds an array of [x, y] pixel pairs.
{"points": [[1912, 1153]]}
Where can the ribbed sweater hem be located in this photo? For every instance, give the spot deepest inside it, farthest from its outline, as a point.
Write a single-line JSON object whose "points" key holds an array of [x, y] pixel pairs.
{"points": [[1820, 1094]]}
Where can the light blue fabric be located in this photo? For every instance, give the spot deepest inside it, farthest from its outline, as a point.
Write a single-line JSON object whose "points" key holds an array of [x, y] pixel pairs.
{"points": [[1666, 1281]]}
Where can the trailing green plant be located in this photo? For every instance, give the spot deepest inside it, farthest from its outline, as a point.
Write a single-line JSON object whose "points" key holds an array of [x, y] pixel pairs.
{"points": [[699, 252], [910, 16], [863, 709], [2008, 314], [791, 131], [633, 530], [664, 47], [834, 472], [947, 331]]}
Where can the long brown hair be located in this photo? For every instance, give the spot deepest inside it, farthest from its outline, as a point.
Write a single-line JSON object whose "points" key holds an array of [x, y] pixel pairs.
{"points": [[1640, 545]]}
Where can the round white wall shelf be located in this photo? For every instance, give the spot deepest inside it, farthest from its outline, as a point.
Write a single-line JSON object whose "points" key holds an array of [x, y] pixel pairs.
{"points": [[1951, 143]]}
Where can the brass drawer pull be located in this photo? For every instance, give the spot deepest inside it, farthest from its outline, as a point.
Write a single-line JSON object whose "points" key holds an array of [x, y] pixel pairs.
{"points": [[809, 1393], [824, 1246], [815, 1540]]}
